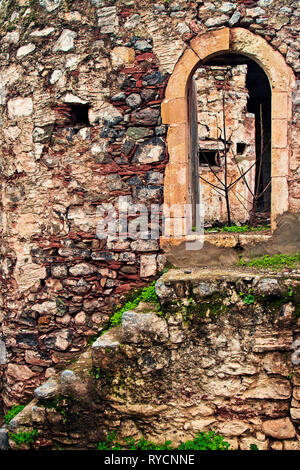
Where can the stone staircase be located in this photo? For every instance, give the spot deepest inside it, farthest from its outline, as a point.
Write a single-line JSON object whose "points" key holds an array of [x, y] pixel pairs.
{"points": [[219, 354]]}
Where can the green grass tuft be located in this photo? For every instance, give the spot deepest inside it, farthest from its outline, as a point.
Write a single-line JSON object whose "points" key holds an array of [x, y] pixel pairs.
{"points": [[148, 294], [237, 228], [202, 441], [15, 409], [276, 261]]}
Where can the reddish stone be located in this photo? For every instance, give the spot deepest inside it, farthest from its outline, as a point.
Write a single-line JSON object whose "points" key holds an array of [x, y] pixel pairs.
{"points": [[145, 56], [126, 13]]}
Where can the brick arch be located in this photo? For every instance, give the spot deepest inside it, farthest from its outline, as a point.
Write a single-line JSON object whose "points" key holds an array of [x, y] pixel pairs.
{"points": [[175, 112]]}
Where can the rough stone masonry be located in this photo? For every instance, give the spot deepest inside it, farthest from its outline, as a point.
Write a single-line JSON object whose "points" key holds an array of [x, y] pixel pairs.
{"points": [[82, 84], [210, 360]]}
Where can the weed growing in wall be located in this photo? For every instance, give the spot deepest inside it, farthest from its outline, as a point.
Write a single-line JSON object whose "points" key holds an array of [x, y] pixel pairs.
{"points": [[24, 437], [278, 261], [238, 228], [15, 409], [202, 441], [59, 404], [147, 294]]}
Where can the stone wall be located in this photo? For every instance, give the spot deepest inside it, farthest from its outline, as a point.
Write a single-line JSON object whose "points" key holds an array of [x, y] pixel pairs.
{"points": [[81, 88], [221, 355]]}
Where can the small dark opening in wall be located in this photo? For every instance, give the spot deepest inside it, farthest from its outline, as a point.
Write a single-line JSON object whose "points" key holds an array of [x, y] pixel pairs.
{"points": [[72, 115], [240, 148], [79, 115], [209, 157]]}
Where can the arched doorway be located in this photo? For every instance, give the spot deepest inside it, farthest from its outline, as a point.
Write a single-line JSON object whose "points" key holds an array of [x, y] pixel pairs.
{"points": [[178, 186]]}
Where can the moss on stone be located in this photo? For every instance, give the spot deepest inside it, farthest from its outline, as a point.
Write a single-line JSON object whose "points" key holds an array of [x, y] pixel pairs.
{"points": [[210, 306]]}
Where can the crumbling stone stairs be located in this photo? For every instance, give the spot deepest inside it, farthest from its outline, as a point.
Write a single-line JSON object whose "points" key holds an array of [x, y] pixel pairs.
{"points": [[221, 356]]}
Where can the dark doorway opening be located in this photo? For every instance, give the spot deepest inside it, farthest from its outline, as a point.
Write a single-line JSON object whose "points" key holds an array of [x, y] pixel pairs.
{"points": [[259, 104]]}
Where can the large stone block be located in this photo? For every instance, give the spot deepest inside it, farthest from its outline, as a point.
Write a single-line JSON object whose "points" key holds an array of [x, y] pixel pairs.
{"points": [[142, 327], [279, 428], [19, 107]]}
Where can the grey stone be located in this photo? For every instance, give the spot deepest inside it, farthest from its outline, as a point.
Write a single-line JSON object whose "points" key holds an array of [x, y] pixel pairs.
{"points": [[50, 5], [59, 271], [175, 8], [285, 10], [154, 78], [112, 117], [82, 269], [12, 37], [205, 289], [67, 377], [265, 286], [59, 340], [255, 12], [127, 147], [144, 245], [98, 3], [164, 293], [105, 256], [235, 18], [137, 133], [132, 22], [142, 45], [70, 252], [154, 177], [48, 389], [218, 21], [146, 116], [133, 100], [27, 339], [153, 150], [115, 183], [177, 14], [146, 193], [108, 340], [160, 130], [4, 445], [66, 41], [138, 327], [3, 353], [42, 134], [264, 3], [119, 97], [227, 7], [128, 257], [159, 7], [82, 287]]}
